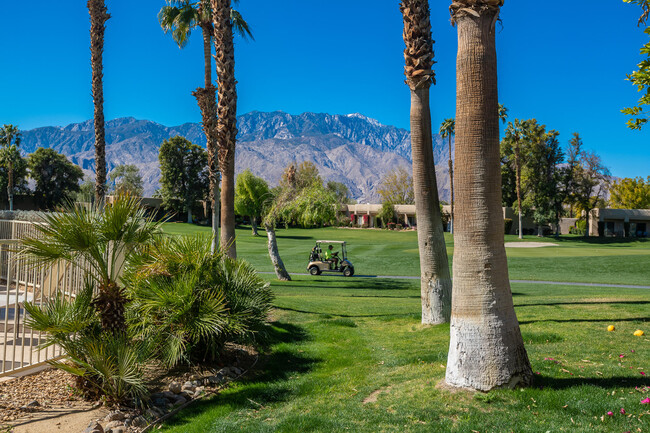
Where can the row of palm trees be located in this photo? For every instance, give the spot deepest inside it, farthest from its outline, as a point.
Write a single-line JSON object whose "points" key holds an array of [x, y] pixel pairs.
{"points": [[486, 349], [217, 21]]}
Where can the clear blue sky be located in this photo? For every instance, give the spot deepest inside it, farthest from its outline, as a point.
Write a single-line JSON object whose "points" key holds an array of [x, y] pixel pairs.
{"points": [[563, 63]]}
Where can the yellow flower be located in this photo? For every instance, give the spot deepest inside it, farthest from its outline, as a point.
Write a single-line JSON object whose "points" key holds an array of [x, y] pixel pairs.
{"points": [[639, 333], [611, 328]]}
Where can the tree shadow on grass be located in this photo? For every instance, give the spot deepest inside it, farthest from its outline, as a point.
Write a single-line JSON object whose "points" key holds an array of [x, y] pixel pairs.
{"points": [[601, 382], [266, 383], [586, 320], [369, 284], [550, 304], [351, 316]]}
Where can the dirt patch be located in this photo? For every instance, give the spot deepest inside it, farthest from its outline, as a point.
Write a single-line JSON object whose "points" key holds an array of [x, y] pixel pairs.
{"points": [[374, 396], [70, 420], [530, 244]]}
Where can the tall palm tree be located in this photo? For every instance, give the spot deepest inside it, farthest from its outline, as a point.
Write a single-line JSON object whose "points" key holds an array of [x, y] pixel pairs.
{"points": [[180, 17], [515, 133], [98, 17], [225, 20], [435, 281], [486, 350], [447, 129], [9, 141]]}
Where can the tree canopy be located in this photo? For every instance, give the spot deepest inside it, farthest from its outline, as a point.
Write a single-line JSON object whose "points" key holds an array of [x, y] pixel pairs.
{"points": [[126, 179], [183, 174], [630, 193], [251, 195], [641, 77], [396, 187], [57, 179]]}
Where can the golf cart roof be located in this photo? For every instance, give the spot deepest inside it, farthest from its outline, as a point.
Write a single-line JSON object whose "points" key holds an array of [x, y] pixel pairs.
{"points": [[330, 242]]}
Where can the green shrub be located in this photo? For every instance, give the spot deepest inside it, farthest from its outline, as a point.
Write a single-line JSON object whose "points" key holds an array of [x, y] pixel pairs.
{"points": [[106, 364], [191, 301], [508, 225]]}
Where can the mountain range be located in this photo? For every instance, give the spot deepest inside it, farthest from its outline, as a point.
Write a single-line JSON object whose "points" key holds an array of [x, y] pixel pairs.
{"points": [[352, 149]]}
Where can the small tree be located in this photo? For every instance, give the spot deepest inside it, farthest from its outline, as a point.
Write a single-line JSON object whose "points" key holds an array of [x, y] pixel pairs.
{"points": [[397, 187], [183, 174], [126, 179], [250, 194], [10, 156], [386, 214]]}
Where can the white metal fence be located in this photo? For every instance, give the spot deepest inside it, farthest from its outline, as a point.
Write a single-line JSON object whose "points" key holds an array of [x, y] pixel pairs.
{"points": [[19, 283]]}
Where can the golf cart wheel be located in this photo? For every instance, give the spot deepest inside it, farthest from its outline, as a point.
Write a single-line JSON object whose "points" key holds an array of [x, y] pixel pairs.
{"points": [[348, 272], [314, 270]]}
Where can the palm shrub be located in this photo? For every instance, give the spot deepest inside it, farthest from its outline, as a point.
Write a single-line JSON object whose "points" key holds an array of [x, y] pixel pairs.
{"points": [[99, 242], [106, 364], [191, 301], [91, 327]]}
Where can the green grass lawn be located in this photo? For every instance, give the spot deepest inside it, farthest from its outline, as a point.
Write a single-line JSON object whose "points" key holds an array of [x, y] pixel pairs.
{"points": [[383, 252], [351, 355]]}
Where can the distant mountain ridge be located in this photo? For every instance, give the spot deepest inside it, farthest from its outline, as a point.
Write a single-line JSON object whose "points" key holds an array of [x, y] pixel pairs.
{"points": [[352, 148]]}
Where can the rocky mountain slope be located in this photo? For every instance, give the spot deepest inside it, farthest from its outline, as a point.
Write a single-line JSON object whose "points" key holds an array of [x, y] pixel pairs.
{"points": [[352, 149]]}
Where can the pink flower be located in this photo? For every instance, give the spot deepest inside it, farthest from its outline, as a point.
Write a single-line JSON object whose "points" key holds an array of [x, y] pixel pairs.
{"points": [[622, 411], [632, 350], [610, 413], [621, 356], [642, 373], [645, 401]]}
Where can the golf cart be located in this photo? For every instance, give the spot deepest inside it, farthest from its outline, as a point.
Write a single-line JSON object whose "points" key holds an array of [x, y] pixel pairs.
{"points": [[329, 260]]}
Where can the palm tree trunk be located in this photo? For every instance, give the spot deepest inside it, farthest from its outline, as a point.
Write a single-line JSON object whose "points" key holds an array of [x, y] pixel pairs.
{"points": [[518, 178], [254, 225], [226, 119], [98, 18], [278, 264], [486, 350], [451, 186], [10, 185], [435, 281], [206, 98]]}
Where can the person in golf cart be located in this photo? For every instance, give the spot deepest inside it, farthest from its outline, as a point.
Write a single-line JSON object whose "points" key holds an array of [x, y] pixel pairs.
{"points": [[332, 256]]}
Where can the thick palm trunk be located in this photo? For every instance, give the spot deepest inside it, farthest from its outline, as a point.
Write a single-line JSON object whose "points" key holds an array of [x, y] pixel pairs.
{"points": [[486, 350], [274, 254], [206, 98], [435, 281], [451, 186], [226, 119], [518, 181], [98, 18]]}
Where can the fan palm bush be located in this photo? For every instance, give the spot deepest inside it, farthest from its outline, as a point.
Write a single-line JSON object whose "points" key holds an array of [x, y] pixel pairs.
{"points": [[99, 242], [90, 326], [192, 301], [106, 364]]}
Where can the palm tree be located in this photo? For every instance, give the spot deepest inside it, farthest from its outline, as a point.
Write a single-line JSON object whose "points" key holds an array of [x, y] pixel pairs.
{"points": [[486, 350], [225, 20], [435, 281], [99, 242], [98, 18], [514, 133], [447, 129], [180, 17], [503, 113], [9, 140]]}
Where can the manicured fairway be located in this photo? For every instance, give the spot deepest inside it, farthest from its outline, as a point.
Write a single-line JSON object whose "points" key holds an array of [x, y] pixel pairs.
{"points": [[396, 253], [351, 355]]}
